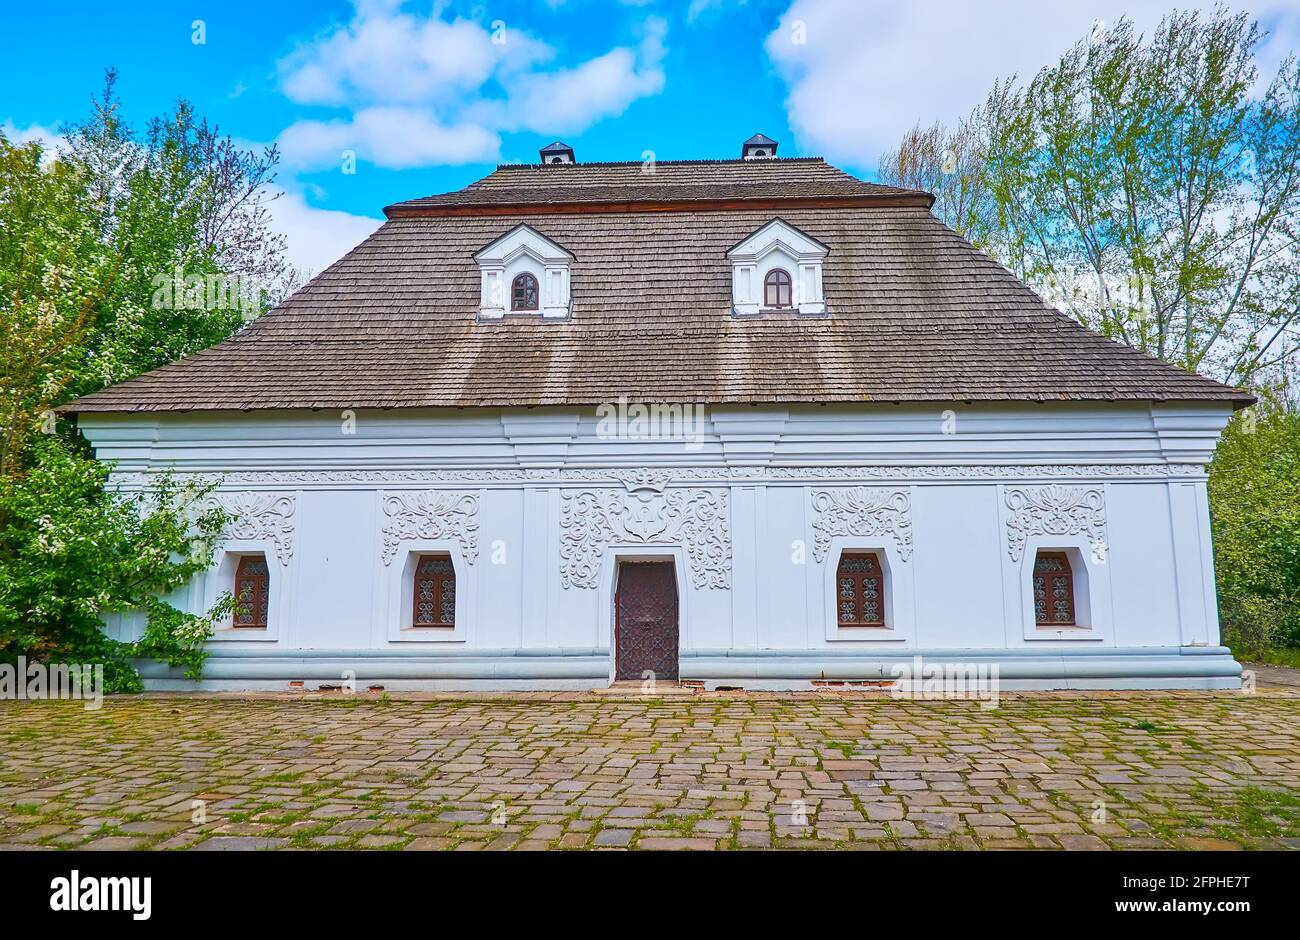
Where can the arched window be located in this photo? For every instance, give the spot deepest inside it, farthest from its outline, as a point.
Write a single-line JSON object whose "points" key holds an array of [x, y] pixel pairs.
{"points": [[860, 591], [1053, 590], [252, 591], [776, 289], [434, 592], [523, 293]]}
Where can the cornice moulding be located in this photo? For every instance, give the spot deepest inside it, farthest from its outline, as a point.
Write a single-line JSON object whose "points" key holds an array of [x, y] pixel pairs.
{"points": [[668, 476]]}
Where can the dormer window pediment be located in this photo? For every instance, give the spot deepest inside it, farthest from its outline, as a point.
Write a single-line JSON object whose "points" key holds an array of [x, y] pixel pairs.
{"points": [[523, 272], [777, 268]]}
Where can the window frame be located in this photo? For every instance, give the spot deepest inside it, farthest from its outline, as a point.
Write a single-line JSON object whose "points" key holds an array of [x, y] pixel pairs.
{"points": [[1045, 554], [858, 580], [441, 580], [537, 292], [772, 280], [263, 589]]}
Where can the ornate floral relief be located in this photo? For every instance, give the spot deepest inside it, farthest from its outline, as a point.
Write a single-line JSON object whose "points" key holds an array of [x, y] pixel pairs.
{"points": [[1055, 510], [431, 514], [862, 511], [257, 517], [645, 515]]}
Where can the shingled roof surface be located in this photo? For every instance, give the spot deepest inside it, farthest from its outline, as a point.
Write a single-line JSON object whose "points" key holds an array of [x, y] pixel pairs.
{"points": [[916, 313], [543, 184]]}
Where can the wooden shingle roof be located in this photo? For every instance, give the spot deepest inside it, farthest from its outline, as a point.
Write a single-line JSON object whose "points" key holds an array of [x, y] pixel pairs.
{"points": [[916, 313]]}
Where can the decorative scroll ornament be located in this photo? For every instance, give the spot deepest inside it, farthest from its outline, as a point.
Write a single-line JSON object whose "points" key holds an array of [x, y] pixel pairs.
{"points": [[257, 517], [862, 511], [694, 518], [431, 514], [1055, 510]]}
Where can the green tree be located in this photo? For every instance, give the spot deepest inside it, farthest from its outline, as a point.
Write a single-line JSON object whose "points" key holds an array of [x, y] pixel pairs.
{"points": [[950, 164], [179, 203], [54, 273], [1255, 509], [1145, 186], [100, 245]]}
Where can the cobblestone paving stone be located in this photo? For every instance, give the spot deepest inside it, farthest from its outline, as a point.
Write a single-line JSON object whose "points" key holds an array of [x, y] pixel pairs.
{"points": [[1079, 771]]}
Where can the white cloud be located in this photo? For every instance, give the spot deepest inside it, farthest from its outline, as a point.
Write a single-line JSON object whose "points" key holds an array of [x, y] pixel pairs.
{"points": [[699, 7], [317, 237], [419, 90], [394, 57], [394, 137], [868, 71], [50, 140], [569, 101]]}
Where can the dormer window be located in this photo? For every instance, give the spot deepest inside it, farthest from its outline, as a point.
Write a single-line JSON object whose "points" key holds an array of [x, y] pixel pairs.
{"points": [[776, 288], [523, 294], [777, 268], [523, 272]]}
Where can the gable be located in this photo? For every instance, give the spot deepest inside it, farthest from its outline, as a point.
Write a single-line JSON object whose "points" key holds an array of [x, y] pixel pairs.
{"points": [[523, 239], [778, 235]]}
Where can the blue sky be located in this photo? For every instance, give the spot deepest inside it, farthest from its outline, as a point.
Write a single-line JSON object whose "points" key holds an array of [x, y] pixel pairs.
{"points": [[430, 96]]}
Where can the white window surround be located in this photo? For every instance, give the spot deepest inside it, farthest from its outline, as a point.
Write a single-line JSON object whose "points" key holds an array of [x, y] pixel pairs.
{"points": [[221, 579], [399, 588], [778, 244], [1091, 590], [900, 607], [523, 250]]}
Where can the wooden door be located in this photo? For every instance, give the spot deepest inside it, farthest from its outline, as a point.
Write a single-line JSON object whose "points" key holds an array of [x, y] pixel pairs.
{"points": [[645, 621]]}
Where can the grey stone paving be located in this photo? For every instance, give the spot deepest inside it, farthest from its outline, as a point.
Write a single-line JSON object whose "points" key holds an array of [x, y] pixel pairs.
{"points": [[1084, 771]]}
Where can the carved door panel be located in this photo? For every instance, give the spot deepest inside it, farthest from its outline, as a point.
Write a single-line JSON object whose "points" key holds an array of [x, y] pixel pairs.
{"points": [[645, 620]]}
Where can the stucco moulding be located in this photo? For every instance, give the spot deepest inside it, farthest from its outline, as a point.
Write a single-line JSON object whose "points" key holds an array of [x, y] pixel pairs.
{"points": [[696, 519], [663, 477]]}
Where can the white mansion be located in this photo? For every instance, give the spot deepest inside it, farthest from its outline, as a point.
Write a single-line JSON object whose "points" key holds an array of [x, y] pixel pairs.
{"points": [[749, 422]]}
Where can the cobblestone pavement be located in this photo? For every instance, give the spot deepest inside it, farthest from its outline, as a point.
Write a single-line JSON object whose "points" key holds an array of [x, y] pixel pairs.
{"points": [[1189, 770]]}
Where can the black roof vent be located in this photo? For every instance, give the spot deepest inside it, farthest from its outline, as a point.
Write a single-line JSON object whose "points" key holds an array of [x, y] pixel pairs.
{"points": [[758, 147], [558, 152]]}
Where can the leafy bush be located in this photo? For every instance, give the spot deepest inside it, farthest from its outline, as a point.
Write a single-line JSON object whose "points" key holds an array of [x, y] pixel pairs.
{"points": [[72, 550], [1255, 509]]}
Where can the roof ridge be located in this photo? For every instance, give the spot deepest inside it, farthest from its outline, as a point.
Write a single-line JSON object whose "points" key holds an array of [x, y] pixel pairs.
{"points": [[706, 160]]}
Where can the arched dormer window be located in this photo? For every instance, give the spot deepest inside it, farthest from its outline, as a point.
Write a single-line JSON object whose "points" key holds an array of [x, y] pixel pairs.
{"points": [[523, 293], [523, 272], [768, 263], [776, 288]]}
